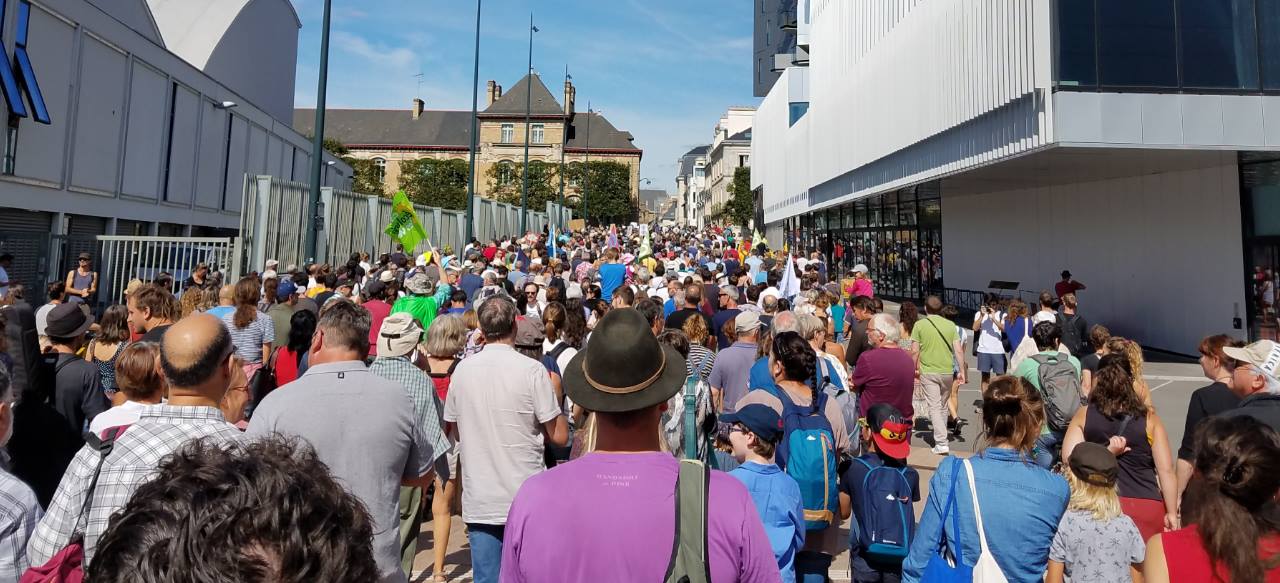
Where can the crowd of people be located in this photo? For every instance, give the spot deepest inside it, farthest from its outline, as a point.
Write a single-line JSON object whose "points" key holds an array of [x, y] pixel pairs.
{"points": [[627, 404]]}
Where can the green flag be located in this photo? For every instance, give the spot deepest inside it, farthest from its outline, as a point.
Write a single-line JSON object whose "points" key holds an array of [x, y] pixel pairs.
{"points": [[405, 226]]}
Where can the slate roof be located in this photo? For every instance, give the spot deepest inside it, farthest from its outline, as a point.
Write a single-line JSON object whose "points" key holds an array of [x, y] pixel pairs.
{"points": [[742, 136], [390, 127], [690, 159], [603, 134], [512, 102]]}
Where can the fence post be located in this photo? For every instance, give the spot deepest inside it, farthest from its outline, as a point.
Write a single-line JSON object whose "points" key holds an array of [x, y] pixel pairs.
{"points": [[322, 240], [261, 206], [236, 255], [371, 227]]}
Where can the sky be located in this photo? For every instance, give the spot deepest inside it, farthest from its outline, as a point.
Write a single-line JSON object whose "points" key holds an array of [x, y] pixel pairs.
{"points": [[664, 70]]}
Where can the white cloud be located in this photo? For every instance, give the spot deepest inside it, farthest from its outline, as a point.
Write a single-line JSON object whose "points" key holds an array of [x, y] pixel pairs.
{"points": [[381, 55]]}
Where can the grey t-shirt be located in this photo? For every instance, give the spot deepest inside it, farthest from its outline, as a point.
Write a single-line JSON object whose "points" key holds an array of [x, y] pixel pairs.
{"points": [[732, 372], [500, 399], [364, 428], [1095, 551]]}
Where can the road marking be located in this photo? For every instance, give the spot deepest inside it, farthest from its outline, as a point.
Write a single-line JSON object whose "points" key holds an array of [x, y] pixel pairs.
{"points": [[1153, 389]]}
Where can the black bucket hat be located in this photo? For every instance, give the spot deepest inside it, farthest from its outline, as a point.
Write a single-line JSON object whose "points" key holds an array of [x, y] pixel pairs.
{"points": [[624, 367]]}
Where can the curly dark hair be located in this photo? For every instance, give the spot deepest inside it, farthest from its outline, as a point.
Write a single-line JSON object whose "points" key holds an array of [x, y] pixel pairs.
{"points": [[265, 511], [1113, 394]]}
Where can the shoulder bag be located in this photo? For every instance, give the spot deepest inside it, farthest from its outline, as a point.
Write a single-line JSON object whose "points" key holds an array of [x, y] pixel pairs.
{"points": [[689, 559]]}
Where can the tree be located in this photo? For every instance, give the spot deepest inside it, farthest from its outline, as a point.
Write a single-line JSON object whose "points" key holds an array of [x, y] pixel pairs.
{"points": [[741, 204], [433, 182], [608, 192], [506, 181], [366, 177]]}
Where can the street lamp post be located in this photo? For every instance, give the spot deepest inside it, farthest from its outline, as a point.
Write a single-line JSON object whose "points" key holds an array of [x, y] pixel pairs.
{"points": [[317, 146], [586, 171], [528, 100], [475, 130], [564, 143]]}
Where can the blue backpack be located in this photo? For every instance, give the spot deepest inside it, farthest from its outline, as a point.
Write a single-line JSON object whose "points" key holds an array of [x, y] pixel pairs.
{"points": [[807, 453], [887, 518]]}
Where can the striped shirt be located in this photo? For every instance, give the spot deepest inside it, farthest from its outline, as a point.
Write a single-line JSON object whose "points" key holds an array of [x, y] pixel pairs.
{"points": [[19, 514], [249, 340], [135, 458]]}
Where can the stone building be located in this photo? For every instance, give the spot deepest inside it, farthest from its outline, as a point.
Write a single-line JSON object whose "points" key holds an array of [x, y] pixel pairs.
{"points": [[730, 150], [389, 137]]}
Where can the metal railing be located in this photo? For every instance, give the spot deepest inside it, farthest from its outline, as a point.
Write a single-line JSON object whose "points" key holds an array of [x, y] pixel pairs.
{"points": [[273, 223], [123, 258]]}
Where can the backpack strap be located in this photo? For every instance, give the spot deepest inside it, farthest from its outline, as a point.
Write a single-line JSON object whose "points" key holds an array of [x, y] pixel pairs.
{"points": [[691, 418], [104, 445], [689, 562]]}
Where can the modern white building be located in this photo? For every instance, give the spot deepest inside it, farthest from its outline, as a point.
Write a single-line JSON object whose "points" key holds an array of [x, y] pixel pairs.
{"points": [[949, 144], [156, 111], [690, 183]]}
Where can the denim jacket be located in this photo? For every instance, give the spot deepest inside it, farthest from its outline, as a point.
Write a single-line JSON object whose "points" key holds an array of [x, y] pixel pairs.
{"points": [[1021, 506]]}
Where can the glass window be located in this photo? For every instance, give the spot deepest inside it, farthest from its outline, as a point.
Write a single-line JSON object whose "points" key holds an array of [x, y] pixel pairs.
{"points": [[506, 173], [537, 133], [1077, 43], [380, 169], [1262, 185], [508, 133], [796, 111], [1269, 42], [1136, 45], [861, 210], [1219, 44]]}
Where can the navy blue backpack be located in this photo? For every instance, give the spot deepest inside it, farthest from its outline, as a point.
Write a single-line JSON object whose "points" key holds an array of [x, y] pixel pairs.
{"points": [[887, 520]]}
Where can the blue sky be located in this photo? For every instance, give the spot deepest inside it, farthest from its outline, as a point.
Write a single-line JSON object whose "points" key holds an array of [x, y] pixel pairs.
{"points": [[665, 70]]}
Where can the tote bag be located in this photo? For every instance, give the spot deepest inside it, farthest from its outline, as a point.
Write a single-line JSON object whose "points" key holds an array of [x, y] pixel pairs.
{"points": [[946, 569]]}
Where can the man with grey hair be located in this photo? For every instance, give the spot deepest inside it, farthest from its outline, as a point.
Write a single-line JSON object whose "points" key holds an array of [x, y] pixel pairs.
{"points": [[19, 510], [506, 413], [1255, 380], [331, 405], [886, 373]]}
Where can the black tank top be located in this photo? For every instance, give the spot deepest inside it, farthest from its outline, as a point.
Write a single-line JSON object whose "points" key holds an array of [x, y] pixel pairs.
{"points": [[1137, 478]]}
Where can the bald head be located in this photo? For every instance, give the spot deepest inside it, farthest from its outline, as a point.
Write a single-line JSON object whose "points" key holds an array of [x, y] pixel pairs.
{"points": [[192, 353], [785, 322]]}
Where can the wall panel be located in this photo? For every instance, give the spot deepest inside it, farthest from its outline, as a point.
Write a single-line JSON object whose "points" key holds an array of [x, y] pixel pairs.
{"points": [[145, 131], [99, 117]]}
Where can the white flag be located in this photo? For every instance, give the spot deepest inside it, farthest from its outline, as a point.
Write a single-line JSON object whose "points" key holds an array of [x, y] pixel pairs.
{"points": [[790, 283]]}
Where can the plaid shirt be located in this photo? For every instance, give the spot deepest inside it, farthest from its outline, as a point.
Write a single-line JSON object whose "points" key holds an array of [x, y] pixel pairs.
{"points": [[19, 513], [426, 404], [160, 430]]}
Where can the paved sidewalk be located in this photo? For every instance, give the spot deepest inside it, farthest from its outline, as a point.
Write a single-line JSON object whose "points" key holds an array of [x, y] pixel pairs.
{"points": [[458, 559]]}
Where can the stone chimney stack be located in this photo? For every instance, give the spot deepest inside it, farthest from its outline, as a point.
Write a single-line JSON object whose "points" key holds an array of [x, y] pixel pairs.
{"points": [[494, 92], [569, 94], [418, 105]]}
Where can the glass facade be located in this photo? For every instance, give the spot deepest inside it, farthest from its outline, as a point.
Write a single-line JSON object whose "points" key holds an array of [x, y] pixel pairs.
{"points": [[898, 235], [1260, 201], [1198, 45]]}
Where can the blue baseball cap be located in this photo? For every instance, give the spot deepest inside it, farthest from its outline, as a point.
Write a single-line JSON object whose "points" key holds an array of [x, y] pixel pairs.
{"points": [[286, 288], [759, 419]]}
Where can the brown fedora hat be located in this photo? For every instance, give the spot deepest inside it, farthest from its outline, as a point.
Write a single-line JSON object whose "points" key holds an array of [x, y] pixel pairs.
{"points": [[624, 367]]}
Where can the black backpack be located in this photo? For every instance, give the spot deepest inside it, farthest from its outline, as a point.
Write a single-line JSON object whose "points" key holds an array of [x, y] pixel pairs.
{"points": [[1071, 333]]}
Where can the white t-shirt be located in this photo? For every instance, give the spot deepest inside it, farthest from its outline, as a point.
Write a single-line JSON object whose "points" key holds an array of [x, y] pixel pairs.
{"points": [[1043, 316], [126, 414], [989, 334], [42, 318]]}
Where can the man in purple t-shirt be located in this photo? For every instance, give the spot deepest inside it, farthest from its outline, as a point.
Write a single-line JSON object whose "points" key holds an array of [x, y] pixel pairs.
{"points": [[886, 373], [611, 514]]}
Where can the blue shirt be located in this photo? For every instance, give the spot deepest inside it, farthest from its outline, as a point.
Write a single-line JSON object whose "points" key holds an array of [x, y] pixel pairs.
{"points": [[220, 311], [469, 283], [777, 499], [1022, 504], [611, 276], [1016, 330], [760, 377], [668, 307]]}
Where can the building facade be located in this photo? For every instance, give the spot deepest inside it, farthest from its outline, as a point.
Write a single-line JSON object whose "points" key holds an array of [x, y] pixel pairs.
{"points": [[153, 114], [690, 183], [730, 150], [776, 41], [389, 137], [952, 145]]}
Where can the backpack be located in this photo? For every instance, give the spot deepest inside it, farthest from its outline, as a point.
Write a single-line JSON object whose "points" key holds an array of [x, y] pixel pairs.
{"points": [[1060, 385], [885, 525], [828, 381], [689, 558], [1071, 333], [807, 453]]}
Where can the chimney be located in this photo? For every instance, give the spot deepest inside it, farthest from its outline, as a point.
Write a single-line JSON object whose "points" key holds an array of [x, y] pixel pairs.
{"points": [[418, 104], [569, 93], [494, 92]]}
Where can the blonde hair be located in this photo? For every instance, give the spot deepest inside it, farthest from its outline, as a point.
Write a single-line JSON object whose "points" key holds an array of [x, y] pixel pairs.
{"points": [[1101, 501]]}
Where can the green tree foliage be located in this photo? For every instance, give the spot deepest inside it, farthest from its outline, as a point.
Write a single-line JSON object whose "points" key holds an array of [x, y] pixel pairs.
{"points": [[432, 182], [741, 204], [506, 181], [608, 192], [366, 177]]}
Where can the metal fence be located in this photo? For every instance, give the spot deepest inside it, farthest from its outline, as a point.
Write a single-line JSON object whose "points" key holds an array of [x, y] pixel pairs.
{"points": [[274, 222], [123, 258]]}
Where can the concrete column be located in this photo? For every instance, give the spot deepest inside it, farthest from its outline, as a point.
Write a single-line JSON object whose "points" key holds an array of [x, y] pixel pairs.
{"points": [[54, 265], [258, 234], [371, 228], [153, 229]]}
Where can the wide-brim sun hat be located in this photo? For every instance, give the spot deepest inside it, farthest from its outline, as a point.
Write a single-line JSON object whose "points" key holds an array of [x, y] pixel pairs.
{"points": [[624, 367]]}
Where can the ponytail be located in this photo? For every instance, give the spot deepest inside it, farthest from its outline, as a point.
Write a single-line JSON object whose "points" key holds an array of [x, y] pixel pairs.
{"points": [[1012, 413]]}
